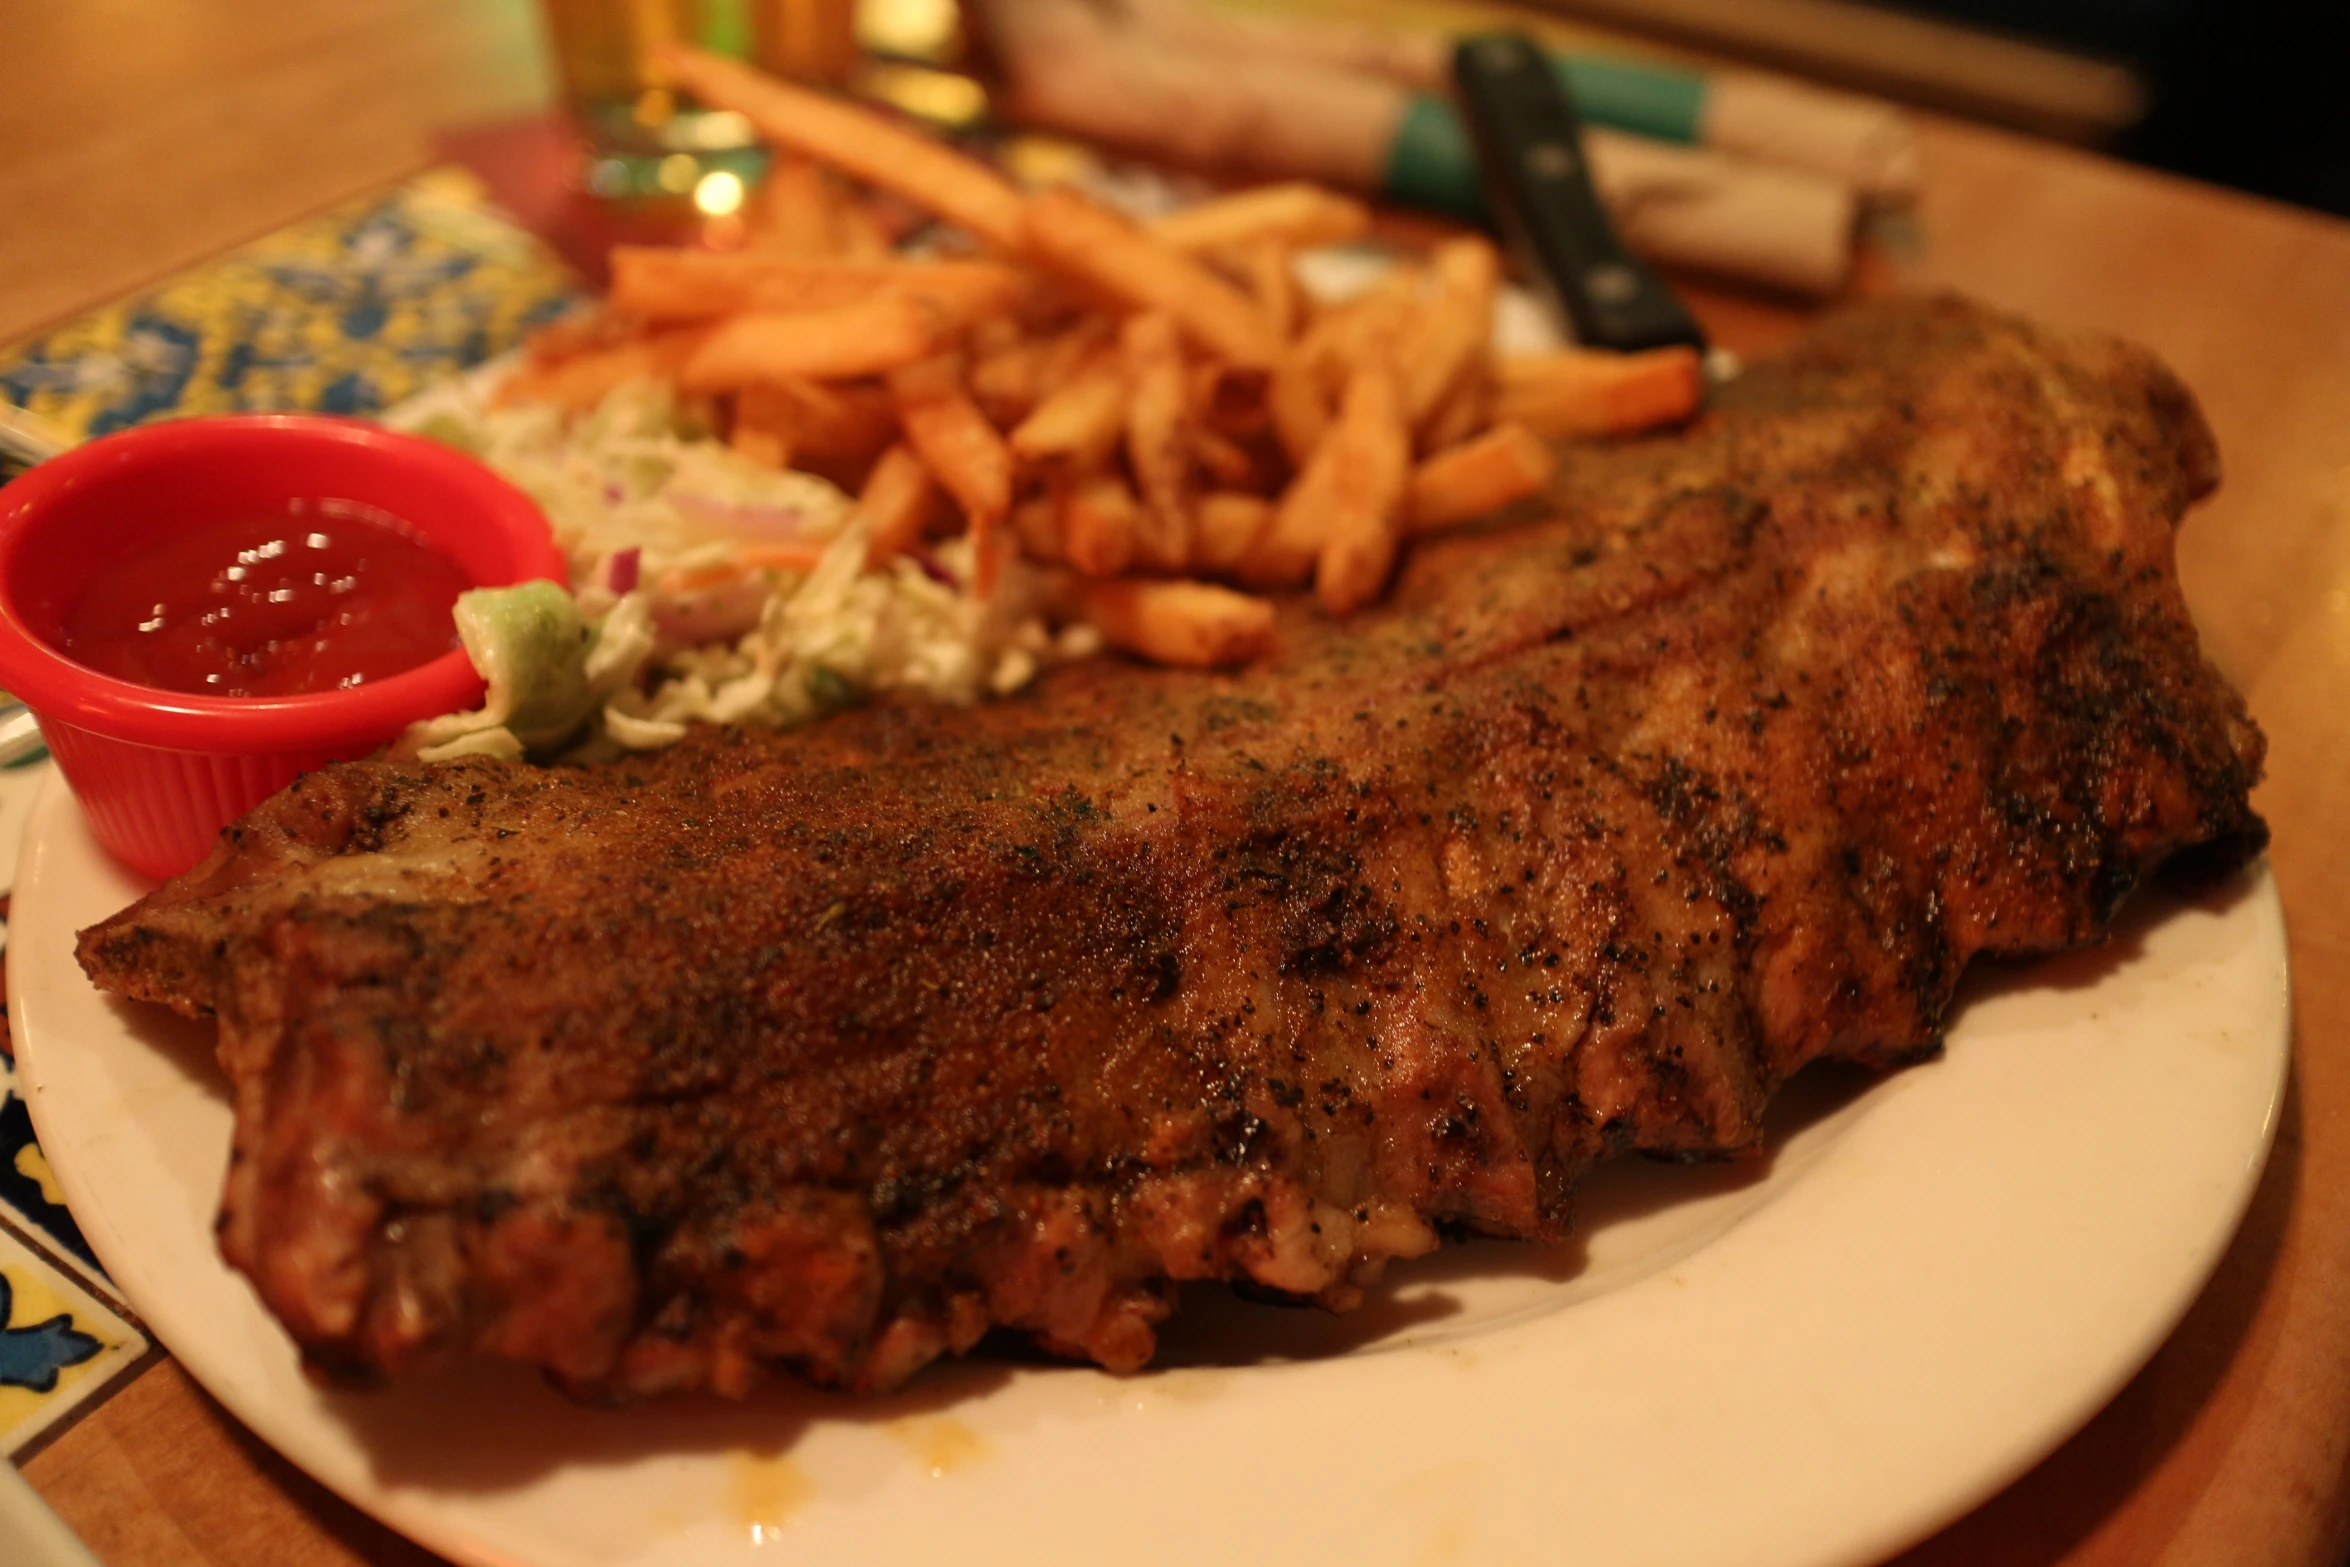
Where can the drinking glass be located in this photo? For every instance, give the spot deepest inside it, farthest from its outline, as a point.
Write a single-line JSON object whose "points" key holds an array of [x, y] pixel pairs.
{"points": [[647, 139]]}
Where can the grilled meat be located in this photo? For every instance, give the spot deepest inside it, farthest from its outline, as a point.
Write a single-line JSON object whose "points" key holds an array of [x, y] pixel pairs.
{"points": [[831, 1050]]}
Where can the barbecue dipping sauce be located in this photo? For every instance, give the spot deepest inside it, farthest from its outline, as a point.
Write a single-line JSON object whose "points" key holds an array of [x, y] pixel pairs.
{"points": [[316, 595]]}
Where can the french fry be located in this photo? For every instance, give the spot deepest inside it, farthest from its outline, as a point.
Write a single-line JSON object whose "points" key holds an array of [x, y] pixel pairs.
{"points": [[1272, 278], [859, 233], [664, 283], [995, 335], [1230, 399], [790, 214], [1078, 425], [1586, 392], [1293, 216], [989, 556], [872, 337], [1285, 550], [1477, 478], [1100, 520], [767, 418], [1466, 410], [583, 379], [1299, 409], [960, 448], [1097, 247], [1036, 524], [1194, 624], [1363, 531], [1229, 524], [767, 443], [1157, 406], [1448, 337], [849, 425], [1345, 334], [897, 503], [1158, 382], [1007, 381], [1070, 347], [867, 146], [933, 377], [764, 447], [1223, 459], [836, 431], [1349, 497], [579, 333]]}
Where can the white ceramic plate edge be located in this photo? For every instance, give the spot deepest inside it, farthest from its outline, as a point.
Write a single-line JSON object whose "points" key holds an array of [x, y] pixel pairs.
{"points": [[1809, 1320]]}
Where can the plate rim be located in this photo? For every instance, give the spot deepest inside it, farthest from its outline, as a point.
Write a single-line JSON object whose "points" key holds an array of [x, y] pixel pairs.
{"points": [[54, 812]]}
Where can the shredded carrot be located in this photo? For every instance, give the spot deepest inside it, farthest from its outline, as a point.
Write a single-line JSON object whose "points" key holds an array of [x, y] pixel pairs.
{"points": [[796, 555], [800, 555]]}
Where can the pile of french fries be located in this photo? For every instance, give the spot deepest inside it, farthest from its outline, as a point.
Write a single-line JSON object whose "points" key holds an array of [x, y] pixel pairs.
{"points": [[1157, 416]]}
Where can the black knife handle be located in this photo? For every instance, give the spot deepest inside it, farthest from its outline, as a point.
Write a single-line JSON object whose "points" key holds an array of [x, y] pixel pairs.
{"points": [[1530, 143]]}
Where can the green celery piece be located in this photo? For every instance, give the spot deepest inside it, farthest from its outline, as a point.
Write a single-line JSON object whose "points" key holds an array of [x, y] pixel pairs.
{"points": [[530, 643]]}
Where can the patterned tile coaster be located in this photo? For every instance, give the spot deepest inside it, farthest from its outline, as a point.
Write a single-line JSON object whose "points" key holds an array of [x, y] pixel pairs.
{"points": [[66, 1341], [61, 1348], [30, 1202], [347, 312]]}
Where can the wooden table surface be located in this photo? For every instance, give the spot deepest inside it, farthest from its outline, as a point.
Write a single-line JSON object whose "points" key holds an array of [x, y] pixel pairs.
{"points": [[135, 139]]}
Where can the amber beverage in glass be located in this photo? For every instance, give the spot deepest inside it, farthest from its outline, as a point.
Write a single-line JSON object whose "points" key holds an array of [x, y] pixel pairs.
{"points": [[646, 139], [805, 40]]}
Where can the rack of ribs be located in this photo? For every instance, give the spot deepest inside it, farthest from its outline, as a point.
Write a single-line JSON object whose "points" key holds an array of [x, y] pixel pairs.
{"points": [[829, 1051]]}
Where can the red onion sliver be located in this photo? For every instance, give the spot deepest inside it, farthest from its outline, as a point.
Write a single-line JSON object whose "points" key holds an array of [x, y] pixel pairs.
{"points": [[776, 522], [623, 575]]}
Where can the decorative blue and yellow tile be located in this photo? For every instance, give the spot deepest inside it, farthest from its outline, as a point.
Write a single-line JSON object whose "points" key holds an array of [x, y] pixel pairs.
{"points": [[61, 1348], [30, 1203], [348, 312]]}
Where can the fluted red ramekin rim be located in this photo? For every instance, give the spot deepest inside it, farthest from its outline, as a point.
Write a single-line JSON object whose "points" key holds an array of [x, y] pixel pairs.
{"points": [[58, 516]]}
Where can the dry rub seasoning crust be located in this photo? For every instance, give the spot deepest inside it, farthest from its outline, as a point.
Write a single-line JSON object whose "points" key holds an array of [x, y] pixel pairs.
{"points": [[829, 1051]]}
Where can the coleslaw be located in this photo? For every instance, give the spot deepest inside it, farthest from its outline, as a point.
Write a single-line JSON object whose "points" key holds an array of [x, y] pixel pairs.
{"points": [[704, 587]]}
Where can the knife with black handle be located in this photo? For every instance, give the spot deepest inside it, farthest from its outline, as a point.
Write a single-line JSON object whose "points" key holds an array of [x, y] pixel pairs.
{"points": [[1538, 185]]}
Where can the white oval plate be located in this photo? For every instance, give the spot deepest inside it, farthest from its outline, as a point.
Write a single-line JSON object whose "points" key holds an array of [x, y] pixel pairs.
{"points": [[1809, 1359]]}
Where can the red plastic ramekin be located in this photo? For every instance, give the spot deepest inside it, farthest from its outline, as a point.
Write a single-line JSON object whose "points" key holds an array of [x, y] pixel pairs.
{"points": [[159, 773]]}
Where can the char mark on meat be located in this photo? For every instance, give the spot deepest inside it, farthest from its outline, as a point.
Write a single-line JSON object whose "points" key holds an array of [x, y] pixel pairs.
{"points": [[830, 1051]]}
